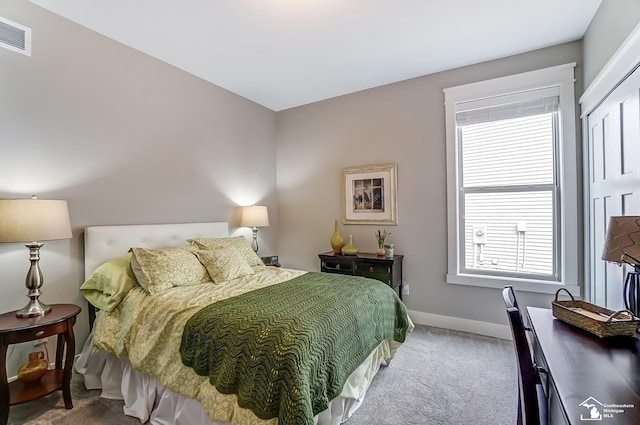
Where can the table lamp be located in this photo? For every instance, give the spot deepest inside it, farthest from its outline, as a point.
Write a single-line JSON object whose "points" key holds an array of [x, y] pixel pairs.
{"points": [[33, 220], [622, 245], [254, 216]]}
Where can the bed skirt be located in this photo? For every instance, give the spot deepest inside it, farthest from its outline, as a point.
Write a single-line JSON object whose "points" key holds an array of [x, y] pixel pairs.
{"points": [[148, 400]]}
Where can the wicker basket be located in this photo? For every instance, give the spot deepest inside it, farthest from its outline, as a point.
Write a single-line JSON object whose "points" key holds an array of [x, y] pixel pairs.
{"points": [[594, 319]]}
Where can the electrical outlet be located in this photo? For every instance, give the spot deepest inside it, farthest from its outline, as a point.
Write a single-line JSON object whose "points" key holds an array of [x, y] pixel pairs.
{"points": [[40, 341], [405, 288]]}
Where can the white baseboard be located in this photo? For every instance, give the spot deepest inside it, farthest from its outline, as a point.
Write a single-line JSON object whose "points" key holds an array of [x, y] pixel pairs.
{"points": [[463, 325]]}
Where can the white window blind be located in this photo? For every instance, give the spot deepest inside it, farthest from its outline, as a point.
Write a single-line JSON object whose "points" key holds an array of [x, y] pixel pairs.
{"points": [[508, 190], [507, 111], [516, 151]]}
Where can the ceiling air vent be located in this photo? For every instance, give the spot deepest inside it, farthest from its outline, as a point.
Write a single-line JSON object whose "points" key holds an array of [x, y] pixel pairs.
{"points": [[15, 37]]}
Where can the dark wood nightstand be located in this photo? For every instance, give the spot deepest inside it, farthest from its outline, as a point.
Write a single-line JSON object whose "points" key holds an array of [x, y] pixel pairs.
{"points": [[271, 260], [59, 321], [387, 270]]}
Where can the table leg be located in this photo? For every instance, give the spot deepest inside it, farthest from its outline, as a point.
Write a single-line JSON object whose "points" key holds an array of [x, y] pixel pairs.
{"points": [[60, 343], [4, 387], [68, 364]]}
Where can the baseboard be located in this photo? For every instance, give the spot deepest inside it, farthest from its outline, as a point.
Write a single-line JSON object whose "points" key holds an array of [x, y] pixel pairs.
{"points": [[464, 325]]}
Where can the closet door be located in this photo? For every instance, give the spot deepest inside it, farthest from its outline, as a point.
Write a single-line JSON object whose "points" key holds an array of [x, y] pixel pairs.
{"points": [[613, 179]]}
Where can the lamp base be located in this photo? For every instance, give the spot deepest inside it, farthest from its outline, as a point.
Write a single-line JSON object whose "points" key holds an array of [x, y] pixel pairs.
{"points": [[34, 308], [632, 293], [33, 283], [254, 244]]}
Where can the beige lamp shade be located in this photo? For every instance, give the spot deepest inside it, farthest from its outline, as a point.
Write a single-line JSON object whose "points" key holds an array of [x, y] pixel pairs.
{"points": [[623, 237], [254, 216], [28, 220]]}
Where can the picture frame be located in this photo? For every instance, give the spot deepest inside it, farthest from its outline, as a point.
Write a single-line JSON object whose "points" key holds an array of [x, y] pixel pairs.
{"points": [[369, 194]]}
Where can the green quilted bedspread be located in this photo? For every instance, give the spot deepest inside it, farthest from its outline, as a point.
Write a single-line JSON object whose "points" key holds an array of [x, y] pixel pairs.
{"points": [[286, 350]]}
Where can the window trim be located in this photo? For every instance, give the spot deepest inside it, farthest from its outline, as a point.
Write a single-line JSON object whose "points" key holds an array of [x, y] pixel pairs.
{"points": [[561, 76]]}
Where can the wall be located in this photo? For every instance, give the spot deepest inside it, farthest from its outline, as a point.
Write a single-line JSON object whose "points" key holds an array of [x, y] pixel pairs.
{"points": [[401, 123], [125, 139], [612, 23]]}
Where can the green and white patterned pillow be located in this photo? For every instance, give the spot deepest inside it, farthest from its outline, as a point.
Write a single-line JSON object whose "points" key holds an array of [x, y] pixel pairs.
{"points": [[238, 242], [224, 264], [160, 269]]}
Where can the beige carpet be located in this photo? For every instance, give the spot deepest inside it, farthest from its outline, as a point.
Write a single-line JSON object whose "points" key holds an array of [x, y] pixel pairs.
{"points": [[438, 377], [88, 409]]}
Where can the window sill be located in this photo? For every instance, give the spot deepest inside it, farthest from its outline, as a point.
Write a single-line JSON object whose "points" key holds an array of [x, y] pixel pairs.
{"points": [[526, 285]]}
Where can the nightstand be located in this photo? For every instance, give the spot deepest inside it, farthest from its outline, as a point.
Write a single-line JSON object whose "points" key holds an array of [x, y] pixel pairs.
{"points": [[59, 321], [272, 260], [387, 270]]}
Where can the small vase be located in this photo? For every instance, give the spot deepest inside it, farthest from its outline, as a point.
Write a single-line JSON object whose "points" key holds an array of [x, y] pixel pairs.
{"points": [[350, 248], [33, 370], [388, 250], [337, 241], [380, 251]]}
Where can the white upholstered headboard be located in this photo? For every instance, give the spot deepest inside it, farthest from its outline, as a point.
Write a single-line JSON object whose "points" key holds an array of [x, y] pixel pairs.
{"points": [[102, 243]]}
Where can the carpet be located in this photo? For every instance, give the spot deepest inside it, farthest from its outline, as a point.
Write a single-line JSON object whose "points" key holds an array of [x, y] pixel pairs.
{"points": [[439, 377]]}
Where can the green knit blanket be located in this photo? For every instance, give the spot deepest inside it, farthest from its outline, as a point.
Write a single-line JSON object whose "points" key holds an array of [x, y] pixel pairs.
{"points": [[286, 350]]}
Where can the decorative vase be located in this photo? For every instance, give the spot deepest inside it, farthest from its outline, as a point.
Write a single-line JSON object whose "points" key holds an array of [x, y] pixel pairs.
{"points": [[34, 369], [350, 248], [337, 241], [381, 237]]}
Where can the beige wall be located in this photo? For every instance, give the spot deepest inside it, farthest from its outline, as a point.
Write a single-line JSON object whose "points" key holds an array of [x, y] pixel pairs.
{"points": [[401, 123], [611, 25], [125, 139]]}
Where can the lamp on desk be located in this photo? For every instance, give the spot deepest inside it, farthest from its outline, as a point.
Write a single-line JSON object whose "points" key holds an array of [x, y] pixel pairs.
{"points": [[254, 216], [622, 245], [33, 220]]}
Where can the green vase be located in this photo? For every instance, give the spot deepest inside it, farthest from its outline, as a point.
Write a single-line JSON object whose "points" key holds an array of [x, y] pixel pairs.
{"points": [[350, 248], [337, 242]]}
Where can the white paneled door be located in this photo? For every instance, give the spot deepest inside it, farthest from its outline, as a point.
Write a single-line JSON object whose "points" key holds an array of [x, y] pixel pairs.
{"points": [[613, 182]]}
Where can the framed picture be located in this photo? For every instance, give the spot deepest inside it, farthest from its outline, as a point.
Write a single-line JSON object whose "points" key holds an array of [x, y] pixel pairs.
{"points": [[369, 194]]}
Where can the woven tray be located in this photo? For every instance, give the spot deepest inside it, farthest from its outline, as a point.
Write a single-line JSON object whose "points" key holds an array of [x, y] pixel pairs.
{"points": [[594, 319]]}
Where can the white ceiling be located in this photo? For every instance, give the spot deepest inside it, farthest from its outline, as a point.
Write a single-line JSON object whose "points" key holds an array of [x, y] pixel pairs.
{"points": [[286, 53]]}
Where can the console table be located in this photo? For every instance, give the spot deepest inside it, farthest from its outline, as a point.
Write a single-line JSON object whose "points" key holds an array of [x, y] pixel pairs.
{"points": [[387, 270]]}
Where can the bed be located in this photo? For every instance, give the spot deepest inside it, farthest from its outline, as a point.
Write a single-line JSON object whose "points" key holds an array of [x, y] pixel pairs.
{"points": [[136, 351]]}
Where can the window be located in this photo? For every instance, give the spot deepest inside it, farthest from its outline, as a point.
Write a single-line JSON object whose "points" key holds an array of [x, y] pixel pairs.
{"points": [[512, 186]]}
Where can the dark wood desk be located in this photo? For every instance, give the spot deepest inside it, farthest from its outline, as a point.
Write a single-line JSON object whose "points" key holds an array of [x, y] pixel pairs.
{"points": [[583, 369]]}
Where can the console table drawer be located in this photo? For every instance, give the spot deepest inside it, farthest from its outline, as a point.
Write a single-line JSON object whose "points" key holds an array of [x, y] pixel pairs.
{"points": [[387, 270], [336, 265], [379, 272]]}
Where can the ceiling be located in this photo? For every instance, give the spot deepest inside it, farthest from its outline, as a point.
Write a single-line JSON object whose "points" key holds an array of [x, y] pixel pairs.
{"points": [[286, 53]]}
